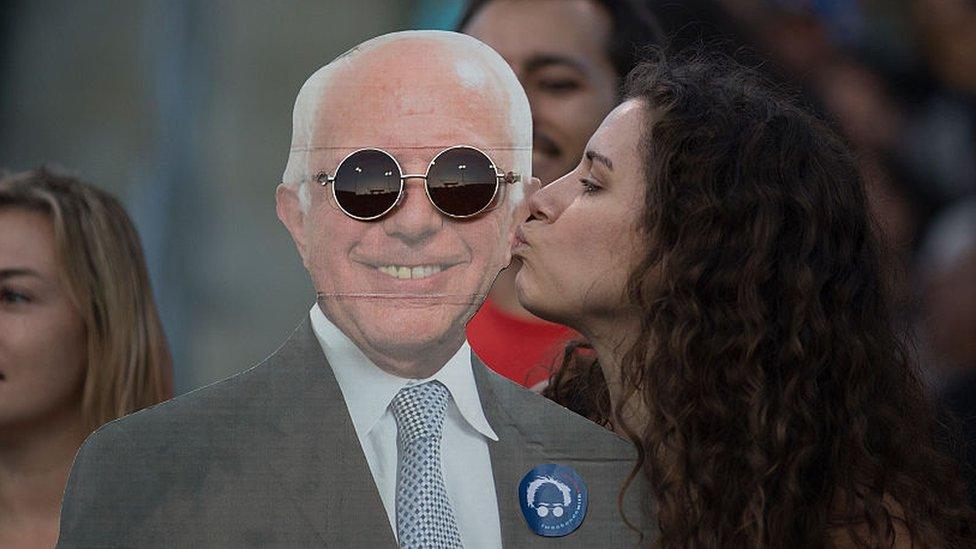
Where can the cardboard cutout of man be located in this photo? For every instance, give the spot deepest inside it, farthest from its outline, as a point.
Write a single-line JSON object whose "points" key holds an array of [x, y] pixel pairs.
{"points": [[373, 425]]}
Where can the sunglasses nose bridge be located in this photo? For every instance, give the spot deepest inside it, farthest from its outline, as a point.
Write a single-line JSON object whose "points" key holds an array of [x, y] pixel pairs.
{"points": [[407, 176]]}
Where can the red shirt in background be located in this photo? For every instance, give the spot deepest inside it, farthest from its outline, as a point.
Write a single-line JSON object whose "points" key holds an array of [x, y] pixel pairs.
{"points": [[522, 350]]}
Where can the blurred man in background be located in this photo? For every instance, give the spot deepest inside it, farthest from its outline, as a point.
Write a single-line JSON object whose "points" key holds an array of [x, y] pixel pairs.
{"points": [[570, 56]]}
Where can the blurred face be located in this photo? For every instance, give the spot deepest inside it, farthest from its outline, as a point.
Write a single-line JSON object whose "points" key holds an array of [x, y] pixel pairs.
{"points": [[42, 336], [580, 245], [558, 50], [405, 284]]}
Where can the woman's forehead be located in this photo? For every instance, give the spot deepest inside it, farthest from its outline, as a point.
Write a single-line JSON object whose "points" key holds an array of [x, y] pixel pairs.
{"points": [[27, 240], [620, 131]]}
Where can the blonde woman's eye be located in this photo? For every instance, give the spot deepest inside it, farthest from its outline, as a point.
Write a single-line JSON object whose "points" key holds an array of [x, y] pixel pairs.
{"points": [[10, 296]]}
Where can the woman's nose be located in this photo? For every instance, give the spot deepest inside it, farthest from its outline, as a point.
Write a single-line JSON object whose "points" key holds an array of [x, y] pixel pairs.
{"points": [[547, 203]]}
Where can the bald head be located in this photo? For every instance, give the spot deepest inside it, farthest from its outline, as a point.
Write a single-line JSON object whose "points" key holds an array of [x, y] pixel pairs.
{"points": [[403, 81], [403, 285]]}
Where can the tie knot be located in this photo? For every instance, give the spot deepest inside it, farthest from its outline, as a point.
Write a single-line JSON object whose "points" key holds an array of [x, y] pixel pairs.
{"points": [[419, 410]]}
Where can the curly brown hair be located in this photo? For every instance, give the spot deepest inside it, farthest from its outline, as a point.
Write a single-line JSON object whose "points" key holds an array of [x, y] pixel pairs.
{"points": [[783, 406]]}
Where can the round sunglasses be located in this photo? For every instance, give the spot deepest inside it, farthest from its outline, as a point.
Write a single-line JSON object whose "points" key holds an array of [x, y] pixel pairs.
{"points": [[461, 182]]}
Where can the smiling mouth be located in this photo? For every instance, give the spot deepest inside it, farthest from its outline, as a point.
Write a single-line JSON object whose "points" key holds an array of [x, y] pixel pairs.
{"points": [[404, 272]]}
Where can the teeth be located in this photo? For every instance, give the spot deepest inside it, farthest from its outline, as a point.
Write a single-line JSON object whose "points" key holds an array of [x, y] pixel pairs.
{"points": [[406, 273]]}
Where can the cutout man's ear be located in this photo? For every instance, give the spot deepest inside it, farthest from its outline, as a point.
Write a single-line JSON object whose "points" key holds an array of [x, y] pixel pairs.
{"points": [[290, 213]]}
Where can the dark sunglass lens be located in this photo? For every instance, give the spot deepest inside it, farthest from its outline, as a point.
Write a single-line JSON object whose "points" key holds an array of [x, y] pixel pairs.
{"points": [[367, 184], [462, 181]]}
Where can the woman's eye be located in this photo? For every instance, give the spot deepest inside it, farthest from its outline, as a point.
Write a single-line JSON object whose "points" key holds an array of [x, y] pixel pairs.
{"points": [[589, 186], [12, 297]]}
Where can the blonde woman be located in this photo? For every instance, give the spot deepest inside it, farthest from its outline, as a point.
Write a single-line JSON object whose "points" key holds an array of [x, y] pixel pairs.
{"points": [[80, 339]]}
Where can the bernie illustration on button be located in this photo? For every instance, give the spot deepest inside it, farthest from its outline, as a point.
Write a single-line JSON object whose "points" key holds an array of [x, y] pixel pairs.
{"points": [[553, 499]]}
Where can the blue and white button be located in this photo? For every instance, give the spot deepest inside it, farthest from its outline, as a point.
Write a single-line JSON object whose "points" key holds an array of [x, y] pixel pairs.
{"points": [[553, 499]]}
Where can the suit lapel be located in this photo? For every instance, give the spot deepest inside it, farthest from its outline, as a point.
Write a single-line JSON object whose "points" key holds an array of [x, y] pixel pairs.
{"points": [[320, 461], [511, 458]]}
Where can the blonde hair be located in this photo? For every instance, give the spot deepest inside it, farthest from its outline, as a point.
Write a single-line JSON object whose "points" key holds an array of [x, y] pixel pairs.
{"points": [[128, 362]]}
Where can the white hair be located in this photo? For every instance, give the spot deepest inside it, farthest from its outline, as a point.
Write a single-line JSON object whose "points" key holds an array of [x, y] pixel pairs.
{"points": [[475, 65], [538, 482]]}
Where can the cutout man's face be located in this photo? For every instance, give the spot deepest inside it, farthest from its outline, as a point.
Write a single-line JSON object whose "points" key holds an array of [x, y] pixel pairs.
{"points": [[411, 279]]}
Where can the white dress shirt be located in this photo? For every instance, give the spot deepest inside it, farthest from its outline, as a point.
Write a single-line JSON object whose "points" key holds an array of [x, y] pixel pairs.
{"points": [[368, 392]]}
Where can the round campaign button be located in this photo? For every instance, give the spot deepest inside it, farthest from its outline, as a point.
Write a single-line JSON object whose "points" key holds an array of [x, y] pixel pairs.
{"points": [[553, 499]]}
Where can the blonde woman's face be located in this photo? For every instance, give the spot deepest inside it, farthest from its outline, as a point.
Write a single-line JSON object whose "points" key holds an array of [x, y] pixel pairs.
{"points": [[42, 336]]}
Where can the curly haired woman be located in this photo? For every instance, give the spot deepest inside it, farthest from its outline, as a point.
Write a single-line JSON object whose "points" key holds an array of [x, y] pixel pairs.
{"points": [[742, 336]]}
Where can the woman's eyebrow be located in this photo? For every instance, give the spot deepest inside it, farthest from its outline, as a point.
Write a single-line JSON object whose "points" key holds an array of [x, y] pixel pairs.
{"points": [[18, 271], [594, 156]]}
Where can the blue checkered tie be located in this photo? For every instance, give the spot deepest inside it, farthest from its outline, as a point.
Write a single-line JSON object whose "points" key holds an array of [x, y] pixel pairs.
{"points": [[425, 517]]}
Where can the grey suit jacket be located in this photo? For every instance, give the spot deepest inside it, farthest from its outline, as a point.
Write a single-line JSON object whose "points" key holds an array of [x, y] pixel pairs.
{"points": [[269, 457]]}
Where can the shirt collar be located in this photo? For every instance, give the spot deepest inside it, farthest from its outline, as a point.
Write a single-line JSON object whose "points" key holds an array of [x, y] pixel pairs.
{"points": [[368, 390]]}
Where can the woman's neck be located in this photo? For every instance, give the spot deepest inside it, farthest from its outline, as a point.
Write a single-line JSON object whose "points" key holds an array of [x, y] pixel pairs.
{"points": [[612, 340], [34, 465]]}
